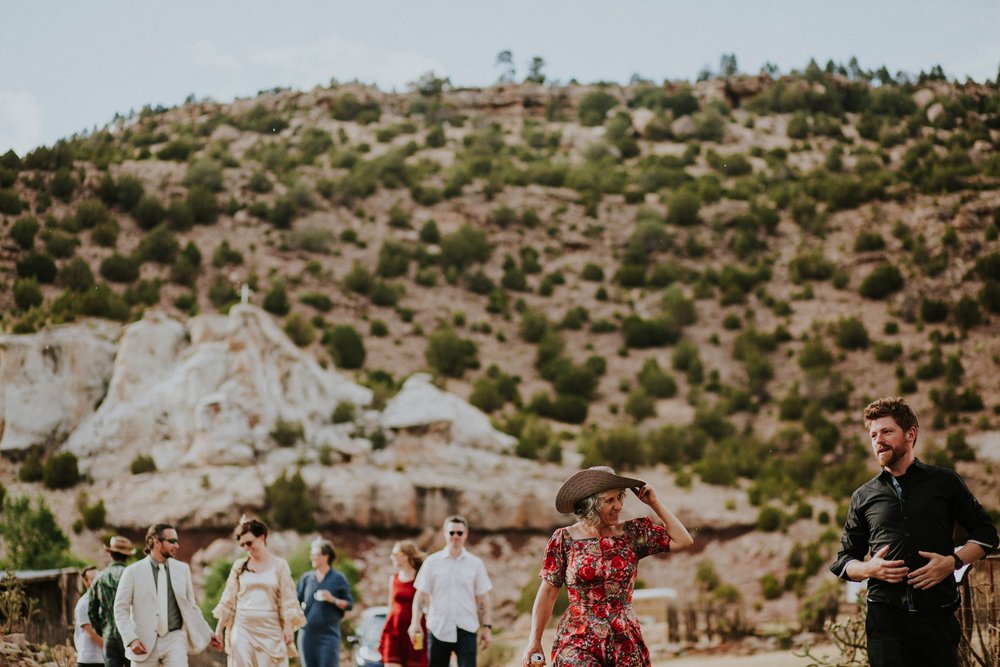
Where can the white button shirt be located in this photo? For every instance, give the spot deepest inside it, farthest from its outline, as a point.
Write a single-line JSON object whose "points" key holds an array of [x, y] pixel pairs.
{"points": [[453, 585]]}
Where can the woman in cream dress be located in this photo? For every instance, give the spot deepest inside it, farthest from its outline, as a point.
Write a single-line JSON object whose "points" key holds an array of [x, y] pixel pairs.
{"points": [[259, 606]]}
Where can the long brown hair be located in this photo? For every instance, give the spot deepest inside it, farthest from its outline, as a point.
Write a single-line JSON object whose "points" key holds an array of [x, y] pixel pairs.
{"points": [[412, 552]]}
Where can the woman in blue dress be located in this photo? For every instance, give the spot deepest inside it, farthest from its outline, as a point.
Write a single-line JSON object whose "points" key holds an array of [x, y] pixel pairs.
{"points": [[325, 596]]}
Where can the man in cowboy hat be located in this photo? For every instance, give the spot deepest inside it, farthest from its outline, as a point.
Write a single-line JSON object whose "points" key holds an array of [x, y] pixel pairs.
{"points": [[102, 601]]}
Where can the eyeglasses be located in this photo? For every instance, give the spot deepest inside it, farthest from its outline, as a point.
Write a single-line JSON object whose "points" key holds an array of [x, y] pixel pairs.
{"points": [[453, 533], [172, 540], [246, 545]]}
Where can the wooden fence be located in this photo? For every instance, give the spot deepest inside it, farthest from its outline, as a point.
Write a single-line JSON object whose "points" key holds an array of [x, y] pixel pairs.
{"points": [[980, 614]]}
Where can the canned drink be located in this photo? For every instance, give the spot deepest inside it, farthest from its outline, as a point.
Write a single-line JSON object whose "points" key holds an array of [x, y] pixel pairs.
{"points": [[536, 659], [418, 641]]}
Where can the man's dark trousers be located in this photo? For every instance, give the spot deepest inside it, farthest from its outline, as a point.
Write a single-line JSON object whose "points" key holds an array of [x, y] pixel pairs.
{"points": [[901, 638], [464, 648]]}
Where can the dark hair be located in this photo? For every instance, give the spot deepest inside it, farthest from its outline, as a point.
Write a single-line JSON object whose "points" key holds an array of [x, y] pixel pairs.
{"points": [[326, 548], [83, 575], [894, 407], [120, 558], [155, 532], [255, 527], [456, 518]]}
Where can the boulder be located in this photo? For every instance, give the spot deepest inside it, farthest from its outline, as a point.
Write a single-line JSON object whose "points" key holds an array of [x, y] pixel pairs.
{"points": [[419, 404], [50, 381], [935, 113], [923, 97], [209, 393], [683, 127]]}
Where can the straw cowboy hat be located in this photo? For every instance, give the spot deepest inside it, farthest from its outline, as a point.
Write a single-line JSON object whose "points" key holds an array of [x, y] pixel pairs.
{"points": [[590, 481], [120, 545]]}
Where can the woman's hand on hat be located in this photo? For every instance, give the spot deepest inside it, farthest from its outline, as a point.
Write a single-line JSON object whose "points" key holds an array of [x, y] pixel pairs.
{"points": [[647, 495]]}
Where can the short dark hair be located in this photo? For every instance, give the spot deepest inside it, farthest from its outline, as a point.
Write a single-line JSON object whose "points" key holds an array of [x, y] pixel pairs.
{"points": [[456, 518], [155, 532], [255, 527], [325, 547], [120, 558], [891, 406]]}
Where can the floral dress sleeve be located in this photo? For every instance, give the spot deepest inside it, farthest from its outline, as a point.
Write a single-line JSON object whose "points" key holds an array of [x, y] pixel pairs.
{"points": [[648, 538], [554, 565]]}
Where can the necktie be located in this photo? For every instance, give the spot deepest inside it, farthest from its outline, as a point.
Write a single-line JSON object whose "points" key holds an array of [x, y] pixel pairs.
{"points": [[161, 599]]}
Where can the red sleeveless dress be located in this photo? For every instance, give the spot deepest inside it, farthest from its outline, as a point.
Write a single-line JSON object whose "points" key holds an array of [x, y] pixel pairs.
{"points": [[395, 644]]}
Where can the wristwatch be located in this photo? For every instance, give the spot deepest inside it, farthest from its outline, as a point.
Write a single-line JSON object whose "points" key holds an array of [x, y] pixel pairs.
{"points": [[958, 561]]}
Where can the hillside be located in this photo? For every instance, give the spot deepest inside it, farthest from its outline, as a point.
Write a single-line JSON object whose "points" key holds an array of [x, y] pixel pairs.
{"points": [[707, 280]]}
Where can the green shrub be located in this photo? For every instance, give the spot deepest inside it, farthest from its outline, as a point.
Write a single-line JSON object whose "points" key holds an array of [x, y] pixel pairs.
{"points": [[682, 208], [93, 516], [393, 260], [810, 265], [31, 470], [359, 279], [886, 352], [23, 231], [226, 255], [32, 536], [76, 275], [621, 447], [989, 295], [300, 330], [37, 265], [568, 409], [27, 293], [290, 504], [101, 301], [203, 205], [276, 300], [60, 471], [594, 107], [120, 269], [465, 247], [287, 433], [851, 334], [10, 203], [105, 234], [770, 519], [883, 281], [486, 396], [966, 313], [933, 311], [346, 347], [770, 587], [450, 354], [343, 413], [815, 355], [317, 300], [63, 184], [142, 463], [868, 241], [655, 381], [160, 245], [640, 405], [592, 272]]}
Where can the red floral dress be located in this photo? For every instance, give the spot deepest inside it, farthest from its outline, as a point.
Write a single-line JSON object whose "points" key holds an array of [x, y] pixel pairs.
{"points": [[600, 627]]}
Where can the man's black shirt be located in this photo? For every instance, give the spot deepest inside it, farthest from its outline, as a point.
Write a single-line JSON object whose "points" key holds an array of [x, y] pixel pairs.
{"points": [[923, 519]]}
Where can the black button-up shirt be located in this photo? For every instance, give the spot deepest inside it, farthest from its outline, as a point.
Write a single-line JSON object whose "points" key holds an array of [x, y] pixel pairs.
{"points": [[921, 519]]}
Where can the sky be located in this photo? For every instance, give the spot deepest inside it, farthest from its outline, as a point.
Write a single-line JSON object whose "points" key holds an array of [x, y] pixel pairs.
{"points": [[68, 67]]}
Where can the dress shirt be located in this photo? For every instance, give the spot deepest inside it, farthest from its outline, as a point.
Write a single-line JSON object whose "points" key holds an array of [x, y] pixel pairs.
{"points": [[453, 585], [920, 518], [174, 619]]}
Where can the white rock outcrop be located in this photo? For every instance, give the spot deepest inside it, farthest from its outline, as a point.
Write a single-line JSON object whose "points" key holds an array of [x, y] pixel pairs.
{"points": [[50, 381], [208, 393], [420, 404]]}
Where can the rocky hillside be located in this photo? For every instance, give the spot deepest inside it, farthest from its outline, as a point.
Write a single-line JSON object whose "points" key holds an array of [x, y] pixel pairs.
{"points": [[704, 282]]}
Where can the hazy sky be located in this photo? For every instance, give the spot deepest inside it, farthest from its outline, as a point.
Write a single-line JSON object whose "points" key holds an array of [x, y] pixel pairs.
{"points": [[69, 66]]}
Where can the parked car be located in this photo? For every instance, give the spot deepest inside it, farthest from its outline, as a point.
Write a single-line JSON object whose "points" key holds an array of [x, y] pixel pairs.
{"points": [[368, 632]]}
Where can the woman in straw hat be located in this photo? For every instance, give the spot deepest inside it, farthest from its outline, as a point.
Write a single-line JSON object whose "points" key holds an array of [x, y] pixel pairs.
{"points": [[596, 558]]}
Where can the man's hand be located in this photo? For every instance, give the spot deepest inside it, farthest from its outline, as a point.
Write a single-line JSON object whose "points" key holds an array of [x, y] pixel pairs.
{"points": [[891, 571], [217, 643], [937, 569], [485, 635], [138, 647]]}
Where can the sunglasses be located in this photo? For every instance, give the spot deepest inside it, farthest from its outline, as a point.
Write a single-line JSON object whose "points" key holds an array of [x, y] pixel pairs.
{"points": [[453, 533], [172, 540], [246, 545]]}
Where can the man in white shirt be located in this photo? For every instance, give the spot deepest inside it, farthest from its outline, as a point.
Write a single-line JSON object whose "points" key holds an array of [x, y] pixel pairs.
{"points": [[89, 645], [453, 587]]}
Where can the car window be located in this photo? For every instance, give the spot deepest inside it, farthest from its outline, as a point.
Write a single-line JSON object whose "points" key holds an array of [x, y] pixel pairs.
{"points": [[372, 632]]}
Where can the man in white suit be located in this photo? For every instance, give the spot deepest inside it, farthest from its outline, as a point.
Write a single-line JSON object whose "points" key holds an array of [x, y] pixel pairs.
{"points": [[155, 608]]}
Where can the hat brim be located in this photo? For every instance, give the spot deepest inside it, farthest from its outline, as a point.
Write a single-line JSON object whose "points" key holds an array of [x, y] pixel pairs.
{"points": [[588, 482], [123, 552]]}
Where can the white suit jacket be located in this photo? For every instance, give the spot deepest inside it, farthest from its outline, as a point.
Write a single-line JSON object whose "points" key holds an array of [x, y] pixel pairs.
{"points": [[135, 607]]}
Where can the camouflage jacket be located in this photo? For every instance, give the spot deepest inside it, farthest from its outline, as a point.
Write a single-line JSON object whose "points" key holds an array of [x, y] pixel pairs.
{"points": [[102, 601]]}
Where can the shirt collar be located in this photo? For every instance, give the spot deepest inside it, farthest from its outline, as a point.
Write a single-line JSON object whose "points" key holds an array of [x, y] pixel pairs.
{"points": [[917, 465]]}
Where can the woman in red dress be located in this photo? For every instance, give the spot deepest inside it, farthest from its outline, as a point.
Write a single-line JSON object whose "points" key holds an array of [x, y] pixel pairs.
{"points": [[596, 558], [395, 645]]}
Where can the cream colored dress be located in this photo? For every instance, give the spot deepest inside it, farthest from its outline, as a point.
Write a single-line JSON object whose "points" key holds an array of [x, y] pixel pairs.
{"points": [[252, 608]]}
